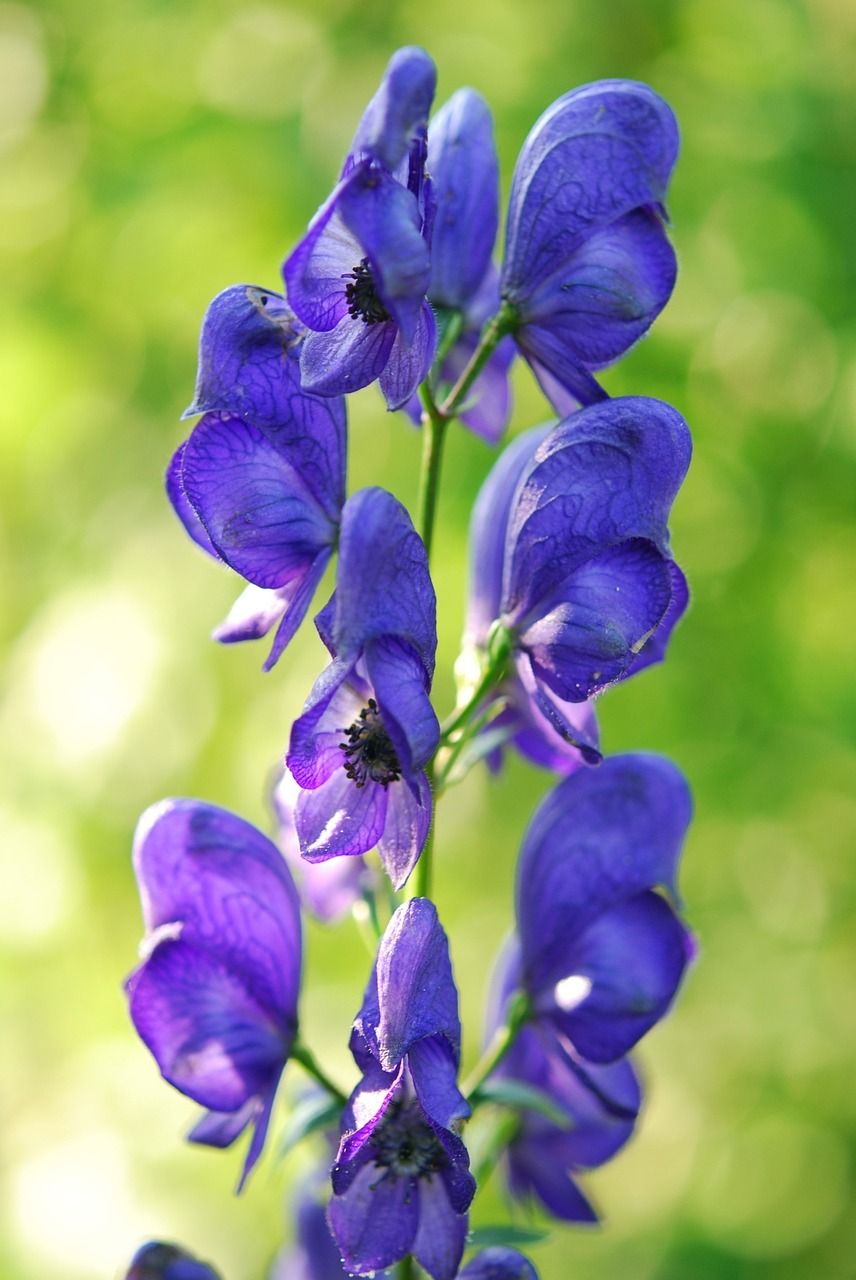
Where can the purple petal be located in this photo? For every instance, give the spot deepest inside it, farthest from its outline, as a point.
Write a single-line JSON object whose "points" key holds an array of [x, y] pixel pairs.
{"points": [[182, 506], [601, 837], [298, 595], [257, 510], [607, 294], [315, 751], [633, 956], [606, 474], [408, 820], [548, 1182], [398, 110], [228, 887], [366, 1108], [412, 993], [383, 217], [565, 383], [220, 1128], [248, 358], [488, 529], [383, 587], [593, 156], [550, 732], [654, 649], [464, 168], [499, 1263], [409, 362], [339, 818], [375, 1221], [208, 1034], [254, 613], [442, 1233], [351, 356], [316, 271], [401, 688], [434, 1071], [609, 608], [156, 1261]]}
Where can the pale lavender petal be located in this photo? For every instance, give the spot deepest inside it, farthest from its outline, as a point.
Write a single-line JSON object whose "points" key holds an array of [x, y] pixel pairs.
{"points": [[340, 818], [408, 819], [409, 362], [347, 358]]}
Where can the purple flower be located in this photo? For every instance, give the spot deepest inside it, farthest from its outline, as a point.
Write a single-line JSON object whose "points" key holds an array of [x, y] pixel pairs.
{"points": [[315, 1254], [593, 1109], [359, 278], [498, 1263], [156, 1261], [215, 997], [570, 558], [587, 264], [327, 889], [260, 482], [602, 953], [464, 288], [401, 1179], [368, 729]]}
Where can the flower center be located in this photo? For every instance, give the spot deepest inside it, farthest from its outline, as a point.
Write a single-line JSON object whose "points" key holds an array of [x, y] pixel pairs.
{"points": [[363, 301], [369, 753], [405, 1144]]}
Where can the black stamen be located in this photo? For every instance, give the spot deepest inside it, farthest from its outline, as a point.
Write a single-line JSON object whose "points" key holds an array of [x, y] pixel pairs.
{"points": [[368, 751], [405, 1144], [363, 301]]}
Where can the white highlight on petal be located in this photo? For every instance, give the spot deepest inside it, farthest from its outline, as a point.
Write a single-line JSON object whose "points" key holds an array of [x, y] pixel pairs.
{"points": [[571, 991], [170, 932]]}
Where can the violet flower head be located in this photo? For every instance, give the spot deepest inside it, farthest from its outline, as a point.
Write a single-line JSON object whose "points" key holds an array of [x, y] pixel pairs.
{"points": [[368, 729], [570, 558], [315, 1254], [464, 288], [358, 280], [498, 1263], [260, 482], [401, 1179], [328, 890], [591, 1115], [588, 266], [215, 997], [602, 953], [156, 1261]]}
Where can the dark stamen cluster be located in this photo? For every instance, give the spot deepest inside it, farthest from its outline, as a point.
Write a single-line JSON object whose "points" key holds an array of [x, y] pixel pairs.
{"points": [[369, 753], [406, 1145], [363, 301]]}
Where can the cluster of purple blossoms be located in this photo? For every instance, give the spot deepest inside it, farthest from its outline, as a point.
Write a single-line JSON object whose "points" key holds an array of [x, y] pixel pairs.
{"points": [[574, 588]]}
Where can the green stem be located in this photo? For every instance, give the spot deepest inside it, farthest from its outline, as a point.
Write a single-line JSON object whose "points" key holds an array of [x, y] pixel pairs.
{"points": [[499, 648], [422, 877], [303, 1054], [434, 434], [501, 324], [455, 749], [503, 1039]]}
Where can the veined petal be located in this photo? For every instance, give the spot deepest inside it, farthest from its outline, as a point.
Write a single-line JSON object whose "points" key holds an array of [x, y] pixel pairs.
{"points": [[608, 608], [209, 1035], [375, 1220], [248, 359], [566, 384], [340, 818], [257, 510], [225, 886], [314, 751], [594, 155], [434, 1072], [408, 820], [182, 505], [299, 594], [654, 649], [349, 357], [442, 1233], [604, 475], [316, 271], [398, 110], [401, 688], [600, 837], [409, 363], [632, 957], [464, 168]]}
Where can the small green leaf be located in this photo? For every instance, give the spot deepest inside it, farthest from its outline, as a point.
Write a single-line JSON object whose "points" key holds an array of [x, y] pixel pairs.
{"points": [[522, 1097], [314, 1111], [488, 1237]]}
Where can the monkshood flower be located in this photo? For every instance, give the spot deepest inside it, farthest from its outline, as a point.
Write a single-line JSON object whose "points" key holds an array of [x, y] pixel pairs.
{"points": [[401, 1179], [260, 482], [327, 889], [588, 266], [592, 1111], [368, 729], [215, 997], [359, 278], [498, 1263], [156, 1261], [464, 288], [570, 563], [314, 1254], [601, 952]]}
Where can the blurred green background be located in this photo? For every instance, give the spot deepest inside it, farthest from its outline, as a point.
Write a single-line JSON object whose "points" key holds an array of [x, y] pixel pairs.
{"points": [[155, 152]]}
